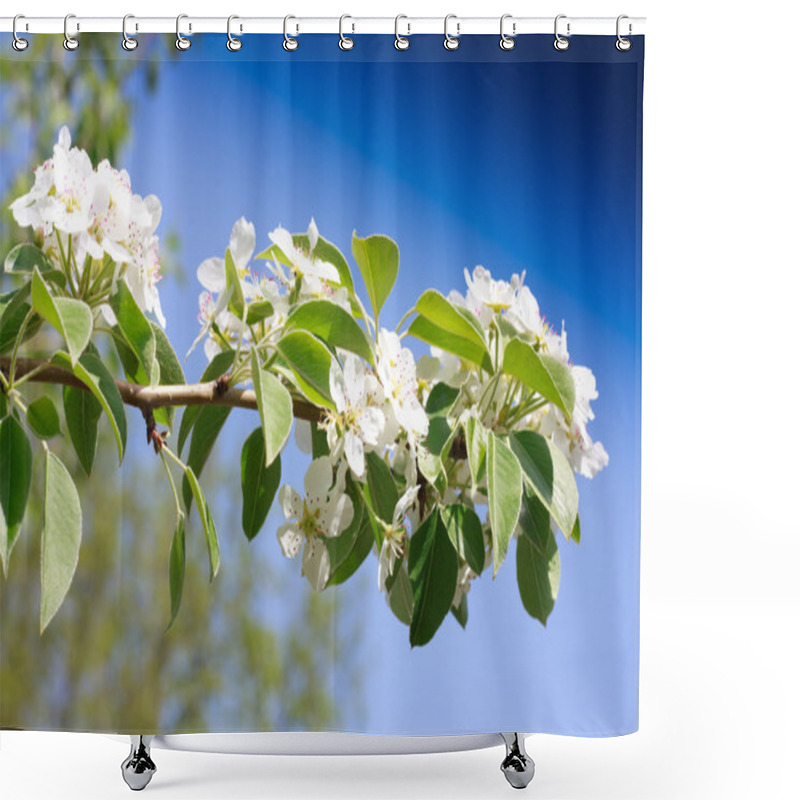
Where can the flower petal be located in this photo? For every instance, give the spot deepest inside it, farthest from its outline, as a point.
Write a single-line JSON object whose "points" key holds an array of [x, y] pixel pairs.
{"points": [[316, 563], [211, 273]]}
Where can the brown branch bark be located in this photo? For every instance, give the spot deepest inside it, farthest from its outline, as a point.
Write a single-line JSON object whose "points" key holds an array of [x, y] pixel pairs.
{"points": [[147, 398]]}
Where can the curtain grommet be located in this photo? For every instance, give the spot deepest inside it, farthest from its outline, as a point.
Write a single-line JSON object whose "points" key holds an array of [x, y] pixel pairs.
{"points": [[233, 44], [507, 42], [182, 42], [561, 43], [345, 42], [623, 44], [129, 43], [70, 42], [451, 43], [289, 44], [401, 42], [18, 42]]}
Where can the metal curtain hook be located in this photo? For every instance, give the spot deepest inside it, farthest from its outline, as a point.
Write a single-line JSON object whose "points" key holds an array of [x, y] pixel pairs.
{"points": [[128, 42], [289, 43], [19, 44], [623, 44], [507, 42], [70, 43], [560, 43], [401, 42], [451, 42], [233, 44], [181, 42], [345, 42]]}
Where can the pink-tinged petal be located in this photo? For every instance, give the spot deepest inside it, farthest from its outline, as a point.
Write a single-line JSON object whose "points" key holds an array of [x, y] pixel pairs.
{"points": [[243, 242], [290, 539], [316, 563], [211, 274], [291, 502], [354, 451], [318, 480], [371, 424]]}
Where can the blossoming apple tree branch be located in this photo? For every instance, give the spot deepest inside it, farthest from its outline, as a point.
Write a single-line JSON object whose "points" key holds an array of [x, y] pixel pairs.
{"points": [[435, 463]]}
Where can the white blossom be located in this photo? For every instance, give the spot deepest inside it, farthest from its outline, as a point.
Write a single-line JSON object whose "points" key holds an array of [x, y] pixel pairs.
{"points": [[356, 421], [398, 375], [325, 511], [395, 536], [301, 263]]}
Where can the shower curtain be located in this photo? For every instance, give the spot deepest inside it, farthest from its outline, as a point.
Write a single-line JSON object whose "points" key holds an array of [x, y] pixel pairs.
{"points": [[409, 286]]}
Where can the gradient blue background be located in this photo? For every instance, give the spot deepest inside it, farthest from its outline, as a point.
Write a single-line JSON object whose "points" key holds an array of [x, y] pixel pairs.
{"points": [[528, 160]]}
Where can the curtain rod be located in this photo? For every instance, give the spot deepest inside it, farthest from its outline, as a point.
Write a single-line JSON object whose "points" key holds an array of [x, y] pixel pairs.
{"points": [[351, 24]]}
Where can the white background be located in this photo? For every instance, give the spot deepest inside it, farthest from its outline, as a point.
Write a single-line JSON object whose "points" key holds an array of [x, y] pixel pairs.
{"points": [[720, 545]]}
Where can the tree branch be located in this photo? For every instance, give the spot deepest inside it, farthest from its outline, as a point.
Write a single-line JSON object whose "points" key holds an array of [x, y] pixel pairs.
{"points": [[147, 398]]}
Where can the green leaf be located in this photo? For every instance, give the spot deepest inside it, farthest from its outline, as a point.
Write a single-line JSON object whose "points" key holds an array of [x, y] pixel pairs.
{"points": [[259, 484], [428, 331], [439, 434], [177, 568], [341, 547], [71, 318], [234, 285], [204, 434], [333, 325], [91, 371], [14, 313], [217, 367], [476, 437], [378, 259], [61, 537], [442, 313], [541, 373], [82, 412], [274, 408], [401, 596], [441, 400], [576, 530], [15, 484], [538, 576], [504, 478], [433, 571], [209, 528], [549, 474], [381, 488], [357, 553], [137, 330], [171, 372], [43, 418], [466, 533], [534, 518], [461, 611], [25, 258], [258, 311], [310, 363]]}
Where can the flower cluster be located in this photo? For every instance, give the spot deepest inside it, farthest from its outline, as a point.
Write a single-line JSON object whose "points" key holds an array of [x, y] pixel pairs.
{"points": [[85, 216]]}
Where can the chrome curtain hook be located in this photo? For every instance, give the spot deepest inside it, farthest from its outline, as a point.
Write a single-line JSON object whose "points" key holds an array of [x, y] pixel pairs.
{"points": [[345, 42], [233, 44], [289, 43], [128, 42], [451, 42], [401, 42], [19, 44], [181, 42], [622, 44], [507, 42], [560, 43], [70, 43]]}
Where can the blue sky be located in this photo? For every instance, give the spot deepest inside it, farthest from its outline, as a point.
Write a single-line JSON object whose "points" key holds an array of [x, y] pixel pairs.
{"points": [[529, 160]]}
